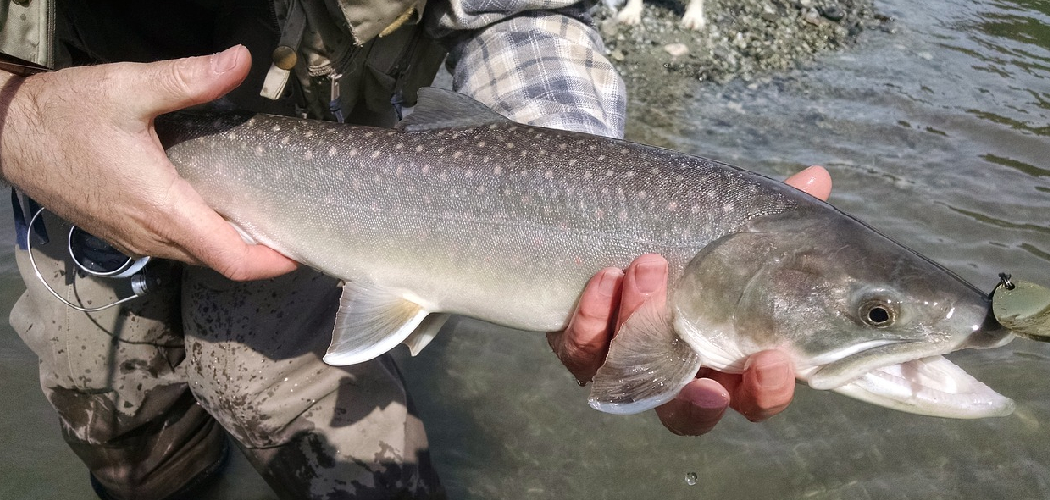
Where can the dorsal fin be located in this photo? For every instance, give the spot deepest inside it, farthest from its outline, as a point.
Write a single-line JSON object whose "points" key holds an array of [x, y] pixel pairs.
{"points": [[440, 108]]}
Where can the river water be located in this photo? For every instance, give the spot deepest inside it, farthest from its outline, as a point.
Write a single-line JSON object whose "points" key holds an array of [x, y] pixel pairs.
{"points": [[938, 134]]}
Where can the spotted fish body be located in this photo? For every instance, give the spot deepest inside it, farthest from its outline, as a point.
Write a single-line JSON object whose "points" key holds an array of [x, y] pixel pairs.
{"points": [[459, 211]]}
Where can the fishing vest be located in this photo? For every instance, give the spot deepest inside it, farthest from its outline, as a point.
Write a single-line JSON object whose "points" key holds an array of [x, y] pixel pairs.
{"points": [[358, 60]]}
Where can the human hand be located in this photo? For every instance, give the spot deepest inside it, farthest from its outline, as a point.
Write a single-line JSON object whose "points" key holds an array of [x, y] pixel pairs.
{"points": [[764, 388], [81, 142]]}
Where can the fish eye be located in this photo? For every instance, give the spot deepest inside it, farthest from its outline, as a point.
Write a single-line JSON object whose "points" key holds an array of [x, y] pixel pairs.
{"points": [[878, 313]]}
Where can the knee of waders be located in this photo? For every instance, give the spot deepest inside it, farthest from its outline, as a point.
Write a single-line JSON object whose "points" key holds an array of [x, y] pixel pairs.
{"points": [[164, 459]]}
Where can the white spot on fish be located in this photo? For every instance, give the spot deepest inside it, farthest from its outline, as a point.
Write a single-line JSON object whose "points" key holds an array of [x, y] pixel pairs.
{"points": [[419, 148], [260, 151], [308, 134], [642, 195], [353, 152], [509, 145], [332, 151], [481, 189], [375, 154], [588, 174], [425, 169], [368, 134], [457, 155], [498, 170], [629, 174], [482, 144], [549, 174], [309, 155], [399, 146], [284, 141], [672, 207]]}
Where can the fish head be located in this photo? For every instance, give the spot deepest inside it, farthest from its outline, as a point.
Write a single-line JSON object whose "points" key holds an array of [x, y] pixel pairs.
{"points": [[859, 313]]}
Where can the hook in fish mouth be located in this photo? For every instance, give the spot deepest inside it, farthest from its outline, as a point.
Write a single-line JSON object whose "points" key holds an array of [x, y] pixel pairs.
{"points": [[928, 386]]}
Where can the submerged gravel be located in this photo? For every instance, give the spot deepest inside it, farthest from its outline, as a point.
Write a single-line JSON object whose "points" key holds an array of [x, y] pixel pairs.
{"points": [[746, 39]]}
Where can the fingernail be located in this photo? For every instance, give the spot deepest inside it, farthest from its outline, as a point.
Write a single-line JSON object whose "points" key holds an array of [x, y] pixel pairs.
{"points": [[774, 376], [650, 276], [226, 60], [609, 281]]}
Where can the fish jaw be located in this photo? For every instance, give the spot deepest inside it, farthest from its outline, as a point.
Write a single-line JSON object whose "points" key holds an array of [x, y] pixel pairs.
{"points": [[931, 386]]}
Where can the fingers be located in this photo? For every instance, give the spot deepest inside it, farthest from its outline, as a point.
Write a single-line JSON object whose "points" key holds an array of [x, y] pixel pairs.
{"points": [[583, 344], [206, 238], [610, 297], [165, 86], [697, 408], [766, 387], [814, 180], [645, 279]]}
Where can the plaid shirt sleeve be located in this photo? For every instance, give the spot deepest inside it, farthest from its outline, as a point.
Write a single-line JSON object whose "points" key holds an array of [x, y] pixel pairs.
{"points": [[539, 62]]}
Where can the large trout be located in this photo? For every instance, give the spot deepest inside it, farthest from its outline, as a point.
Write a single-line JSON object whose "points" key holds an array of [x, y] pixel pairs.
{"points": [[460, 211]]}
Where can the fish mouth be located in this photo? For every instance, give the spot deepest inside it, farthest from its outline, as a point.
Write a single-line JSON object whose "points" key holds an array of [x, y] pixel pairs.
{"points": [[928, 386]]}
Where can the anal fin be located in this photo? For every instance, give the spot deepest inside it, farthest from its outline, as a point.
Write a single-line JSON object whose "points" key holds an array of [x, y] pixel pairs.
{"points": [[370, 322], [646, 366]]}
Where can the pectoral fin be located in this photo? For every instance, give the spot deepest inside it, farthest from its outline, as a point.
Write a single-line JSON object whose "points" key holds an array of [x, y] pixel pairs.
{"points": [[370, 322], [646, 366]]}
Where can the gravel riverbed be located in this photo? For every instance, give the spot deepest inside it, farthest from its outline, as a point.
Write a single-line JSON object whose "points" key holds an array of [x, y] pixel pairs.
{"points": [[750, 40]]}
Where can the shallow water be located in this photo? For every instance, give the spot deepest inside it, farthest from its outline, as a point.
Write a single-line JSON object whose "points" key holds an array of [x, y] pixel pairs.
{"points": [[937, 134]]}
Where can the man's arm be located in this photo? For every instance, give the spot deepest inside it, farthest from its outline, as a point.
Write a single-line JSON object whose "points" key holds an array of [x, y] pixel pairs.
{"points": [[80, 141], [534, 66]]}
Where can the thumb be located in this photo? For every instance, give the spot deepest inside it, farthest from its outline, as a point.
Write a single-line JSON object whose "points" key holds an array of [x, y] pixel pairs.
{"points": [[165, 86]]}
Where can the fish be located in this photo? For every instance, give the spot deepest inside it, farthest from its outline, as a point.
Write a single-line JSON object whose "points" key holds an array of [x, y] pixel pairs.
{"points": [[460, 211]]}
